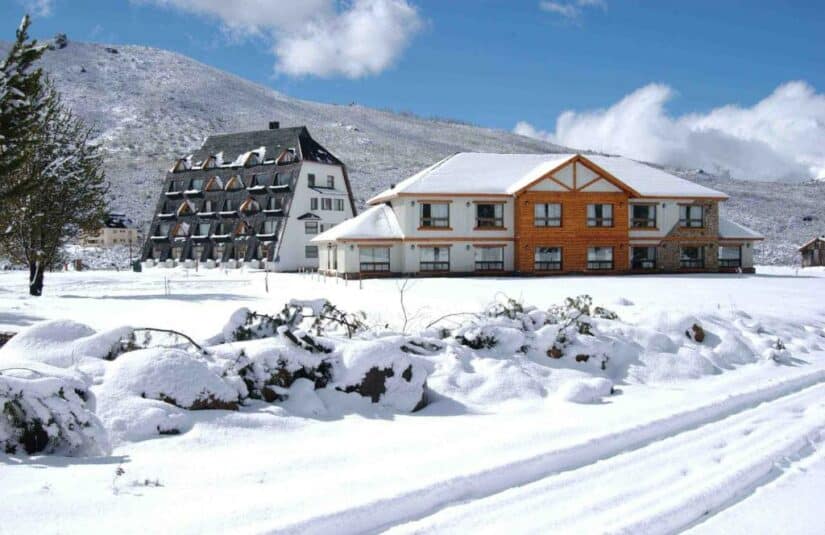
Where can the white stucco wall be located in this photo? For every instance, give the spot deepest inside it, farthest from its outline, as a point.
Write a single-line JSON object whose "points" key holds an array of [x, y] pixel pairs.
{"points": [[294, 240], [462, 218]]}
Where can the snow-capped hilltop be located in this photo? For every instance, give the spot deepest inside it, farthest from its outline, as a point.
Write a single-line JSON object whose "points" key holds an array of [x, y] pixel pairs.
{"points": [[151, 106]]}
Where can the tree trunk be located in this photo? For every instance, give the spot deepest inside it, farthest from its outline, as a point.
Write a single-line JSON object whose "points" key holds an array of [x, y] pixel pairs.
{"points": [[35, 278]]}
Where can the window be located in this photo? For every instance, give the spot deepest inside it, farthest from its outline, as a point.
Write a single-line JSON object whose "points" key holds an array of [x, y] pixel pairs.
{"points": [[169, 207], [196, 184], [599, 215], [489, 258], [313, 203], [225, 228], [643, 258], [163, 229], [208, 206], [181, 230], [311, 180], [435, 215], [339, 205], [490, 215], [218, 250], [692, 257], [643, 216], [210, 162], [326, 204], [229, 206], [214, 184], [600, 258], [730, 256], [311, 227], [547, 259], [547, 215], [274, 203], [435, 258], [203, 229], [257, 181], [311, 251], [374, 258], [270, 226], [173, 187], [692, 216], [330, 181]]}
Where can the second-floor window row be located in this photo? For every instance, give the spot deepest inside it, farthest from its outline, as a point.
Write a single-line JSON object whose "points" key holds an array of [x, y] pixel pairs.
{"points": [[490, 215], [599, 215], [691, 216]]}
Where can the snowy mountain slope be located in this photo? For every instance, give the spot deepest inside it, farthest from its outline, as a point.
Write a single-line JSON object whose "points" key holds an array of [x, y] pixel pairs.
{"points": [[151, 106]]}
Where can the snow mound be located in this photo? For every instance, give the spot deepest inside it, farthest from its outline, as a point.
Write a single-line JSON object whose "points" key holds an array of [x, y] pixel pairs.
{"points": [[48, 410], [62, 343], [591, 390]]}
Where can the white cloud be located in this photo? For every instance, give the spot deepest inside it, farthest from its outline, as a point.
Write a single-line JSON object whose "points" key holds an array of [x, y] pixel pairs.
{"points": [[781, 137], [317, 37], [38, 8], [571, 9]]}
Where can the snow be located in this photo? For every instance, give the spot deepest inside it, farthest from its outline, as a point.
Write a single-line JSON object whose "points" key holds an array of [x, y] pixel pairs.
{"points": [[506, 174], [717, 435], [731, 230], [374, 222]]}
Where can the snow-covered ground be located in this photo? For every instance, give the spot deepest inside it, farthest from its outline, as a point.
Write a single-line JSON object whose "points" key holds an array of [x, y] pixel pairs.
{"points": [[719, 436]]}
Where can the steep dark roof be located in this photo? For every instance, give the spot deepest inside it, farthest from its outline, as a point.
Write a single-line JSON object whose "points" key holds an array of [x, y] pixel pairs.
{"points": [[275, 141]]}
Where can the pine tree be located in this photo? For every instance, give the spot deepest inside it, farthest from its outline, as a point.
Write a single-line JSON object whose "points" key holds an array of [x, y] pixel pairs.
{"points": [[68, 193], [20, 110]]}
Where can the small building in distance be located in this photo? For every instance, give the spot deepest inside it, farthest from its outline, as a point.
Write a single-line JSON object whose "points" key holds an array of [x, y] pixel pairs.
{"points": [[117, 230], [249, 199], [813, 252]]}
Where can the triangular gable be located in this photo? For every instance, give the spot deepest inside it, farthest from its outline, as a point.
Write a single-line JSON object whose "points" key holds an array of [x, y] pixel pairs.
{"points": [[600, 185], [215, 183], [234, 183], [590, 175], [250, 206]]}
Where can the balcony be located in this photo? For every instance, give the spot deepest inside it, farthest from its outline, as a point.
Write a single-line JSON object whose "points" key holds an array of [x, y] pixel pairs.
{"points": [[730, 263], [642, 265]]}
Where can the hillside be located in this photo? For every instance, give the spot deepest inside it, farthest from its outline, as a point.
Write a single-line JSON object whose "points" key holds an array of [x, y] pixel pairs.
{"points": [[151, 106]]}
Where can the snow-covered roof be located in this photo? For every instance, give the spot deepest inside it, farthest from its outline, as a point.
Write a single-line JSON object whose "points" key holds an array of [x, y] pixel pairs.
{"points": [[377, 222], [811, 241], [728, 230], [506, 174]]}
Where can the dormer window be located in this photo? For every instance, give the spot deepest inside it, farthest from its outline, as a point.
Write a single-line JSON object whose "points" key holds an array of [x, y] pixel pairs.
{"points": [[173, 187], [257, 181], [196, 184], [181, 230], [203, 229], [169, 207], [210, 163], [270, 226], [215, 184], [228, 206], [287, 156], [163, 230], [234, 183], [252, 159], [186, 208], [208, 206], [250, 206]]}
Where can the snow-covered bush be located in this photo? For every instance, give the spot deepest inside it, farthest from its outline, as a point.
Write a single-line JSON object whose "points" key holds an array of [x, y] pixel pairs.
{"points": [[48, 410], [591, 390]]}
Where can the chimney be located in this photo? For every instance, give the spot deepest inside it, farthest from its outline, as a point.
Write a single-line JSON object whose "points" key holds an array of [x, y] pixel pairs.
{"points": [[274, 125]]}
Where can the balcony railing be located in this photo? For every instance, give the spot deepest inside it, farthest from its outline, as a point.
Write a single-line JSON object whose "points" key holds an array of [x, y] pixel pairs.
{"points": [[644, 264], [642, 223], [730, 262], [599, 221], [489, 265], [547, 222], [548, 266], [599, 264], [490, 222], [435, 222], [372, 267], [691, 223], [692, 263], [435, 266]]}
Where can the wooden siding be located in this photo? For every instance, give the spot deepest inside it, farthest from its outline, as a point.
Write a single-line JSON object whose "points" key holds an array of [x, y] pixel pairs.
{"points": [[574, 236]]}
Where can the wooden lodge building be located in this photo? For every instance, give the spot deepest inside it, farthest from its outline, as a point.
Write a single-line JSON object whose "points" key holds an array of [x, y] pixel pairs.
{"points": [[539, 214], [813, 252], [249, 198]]}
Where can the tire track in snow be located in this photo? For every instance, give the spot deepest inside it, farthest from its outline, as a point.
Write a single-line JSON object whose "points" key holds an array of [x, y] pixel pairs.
{"points": [[661, 488], [419, 503]]}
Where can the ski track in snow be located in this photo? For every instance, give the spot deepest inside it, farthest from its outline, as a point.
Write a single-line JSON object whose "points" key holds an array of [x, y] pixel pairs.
{"points": [[564, 479]]}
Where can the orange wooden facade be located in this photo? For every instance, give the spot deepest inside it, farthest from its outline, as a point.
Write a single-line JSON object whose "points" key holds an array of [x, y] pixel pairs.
{"points": [[574, 236]]}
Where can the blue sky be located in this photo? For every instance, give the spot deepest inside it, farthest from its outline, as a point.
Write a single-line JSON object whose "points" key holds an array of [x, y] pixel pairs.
{"points": [[490, 62]]}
